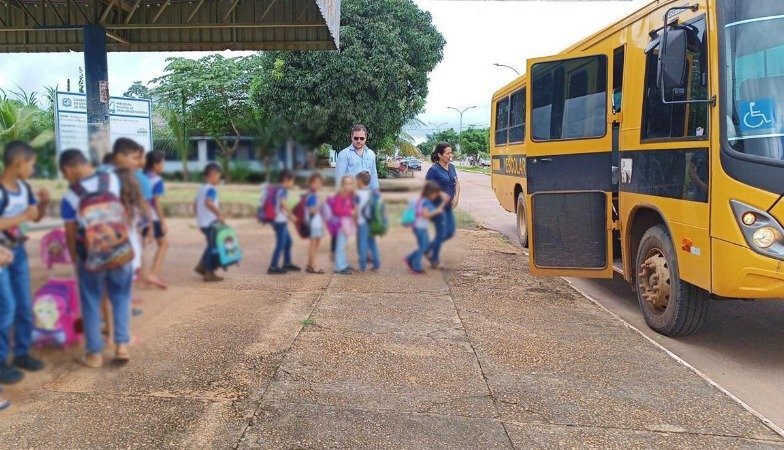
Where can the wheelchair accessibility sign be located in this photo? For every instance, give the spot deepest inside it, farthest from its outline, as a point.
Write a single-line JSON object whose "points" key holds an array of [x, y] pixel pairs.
{"points": [[757, 115]]}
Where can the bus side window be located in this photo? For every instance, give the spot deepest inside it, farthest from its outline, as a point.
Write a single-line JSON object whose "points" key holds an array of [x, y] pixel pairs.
{"points": [[662, 121], [502, 121]]}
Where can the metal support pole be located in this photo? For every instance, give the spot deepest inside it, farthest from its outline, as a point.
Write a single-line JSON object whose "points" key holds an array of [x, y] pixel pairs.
{"points": [[96, 86]]}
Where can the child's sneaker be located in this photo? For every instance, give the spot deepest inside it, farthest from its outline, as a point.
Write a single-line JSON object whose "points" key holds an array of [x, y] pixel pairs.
{"points": [[292, 268], [210, 277], [200, 270], [10, 374], [28, 363], [275, 271]]}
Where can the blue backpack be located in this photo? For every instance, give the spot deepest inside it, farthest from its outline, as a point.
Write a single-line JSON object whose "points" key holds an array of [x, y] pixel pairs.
{"points": [[226, 245]]}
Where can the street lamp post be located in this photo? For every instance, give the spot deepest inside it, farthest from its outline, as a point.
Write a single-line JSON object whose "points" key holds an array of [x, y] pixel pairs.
{"points": [[460, 130], [508, 67]]}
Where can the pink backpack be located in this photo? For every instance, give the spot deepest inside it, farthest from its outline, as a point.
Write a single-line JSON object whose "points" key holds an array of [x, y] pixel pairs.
{"points": [[54, 249], [55, 313]]}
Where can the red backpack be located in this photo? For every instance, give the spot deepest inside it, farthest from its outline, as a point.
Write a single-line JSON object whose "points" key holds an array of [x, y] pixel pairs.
{"points": [[268, 209], [301, 217]]}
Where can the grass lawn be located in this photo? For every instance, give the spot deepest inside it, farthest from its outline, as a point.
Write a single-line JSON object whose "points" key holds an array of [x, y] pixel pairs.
{"points": [[484, 170]]}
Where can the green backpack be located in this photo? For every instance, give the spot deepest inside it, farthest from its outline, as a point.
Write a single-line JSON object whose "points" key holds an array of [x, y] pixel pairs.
{"points": [[227, 245], [376, 216]]}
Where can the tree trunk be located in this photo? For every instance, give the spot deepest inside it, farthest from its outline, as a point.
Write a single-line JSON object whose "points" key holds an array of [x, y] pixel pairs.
{"points": [[186, 176]]}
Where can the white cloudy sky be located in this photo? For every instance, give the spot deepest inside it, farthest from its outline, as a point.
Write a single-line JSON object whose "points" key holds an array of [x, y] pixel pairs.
{"points": [[478, 34]]}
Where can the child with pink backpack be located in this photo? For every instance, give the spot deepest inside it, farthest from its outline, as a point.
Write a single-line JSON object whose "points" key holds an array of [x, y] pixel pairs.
{"points": [[343, 222]]}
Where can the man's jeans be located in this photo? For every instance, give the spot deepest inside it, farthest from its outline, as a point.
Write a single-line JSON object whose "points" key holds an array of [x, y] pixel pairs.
{"points": [[415, 258], [282, 245], [341, 240], [367, 243], [16, 306], [117, 284], [445, 230]]}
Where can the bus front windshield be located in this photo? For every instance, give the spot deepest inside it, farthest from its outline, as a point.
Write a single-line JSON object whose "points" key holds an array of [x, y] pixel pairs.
{"points": [[754, 70]]}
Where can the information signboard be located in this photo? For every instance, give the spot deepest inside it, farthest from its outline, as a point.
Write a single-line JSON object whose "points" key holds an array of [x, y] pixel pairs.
{"points": [[128, 117]]}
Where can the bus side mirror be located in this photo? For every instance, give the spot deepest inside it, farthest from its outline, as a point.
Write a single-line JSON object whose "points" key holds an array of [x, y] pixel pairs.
{"points": [[672, 60]]}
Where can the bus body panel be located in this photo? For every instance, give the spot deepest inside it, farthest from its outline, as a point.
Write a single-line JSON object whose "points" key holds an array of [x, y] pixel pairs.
{"points": [[745, 274], [507, 175]]}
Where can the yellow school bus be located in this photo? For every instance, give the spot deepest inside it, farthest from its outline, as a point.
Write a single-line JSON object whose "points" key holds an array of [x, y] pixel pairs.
{"points": [[655, 148], [507, 151]]}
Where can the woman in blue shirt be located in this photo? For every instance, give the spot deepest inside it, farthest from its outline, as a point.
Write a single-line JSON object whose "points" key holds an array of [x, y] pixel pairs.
{"points": [[443, 173]]}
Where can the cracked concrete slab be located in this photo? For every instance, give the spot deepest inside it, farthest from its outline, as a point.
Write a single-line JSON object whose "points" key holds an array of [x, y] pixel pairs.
{"points": [[559, 436], [297, 425], [370, 371]]}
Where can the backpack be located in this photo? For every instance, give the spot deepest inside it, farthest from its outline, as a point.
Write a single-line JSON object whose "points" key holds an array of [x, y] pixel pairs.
{"points": [[56, 314], [269, 202], [411, 214], [375, 215], [105, 237], [226, 245], [302, 217], [54, 249], [332, 222], [12, 236]]}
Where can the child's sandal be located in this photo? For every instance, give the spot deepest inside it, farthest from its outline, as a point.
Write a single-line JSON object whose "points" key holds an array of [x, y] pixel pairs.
{"points": [[313, 271]]}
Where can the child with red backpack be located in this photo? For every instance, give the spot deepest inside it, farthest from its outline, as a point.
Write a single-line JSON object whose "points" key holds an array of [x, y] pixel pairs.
{"points": [[344, 214], [96, 210], [309, 220], [276, 211]]}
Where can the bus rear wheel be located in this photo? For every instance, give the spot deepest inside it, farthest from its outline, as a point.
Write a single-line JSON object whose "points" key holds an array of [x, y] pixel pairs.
{"points": [[522, 225], [670, 306]]}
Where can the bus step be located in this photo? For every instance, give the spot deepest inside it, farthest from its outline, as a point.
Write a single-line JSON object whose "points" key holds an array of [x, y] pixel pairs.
{"points": [[618, 266]]}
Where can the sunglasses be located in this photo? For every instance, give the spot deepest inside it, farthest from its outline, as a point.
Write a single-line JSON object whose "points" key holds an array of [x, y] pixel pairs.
{"points": [[357, 138]]}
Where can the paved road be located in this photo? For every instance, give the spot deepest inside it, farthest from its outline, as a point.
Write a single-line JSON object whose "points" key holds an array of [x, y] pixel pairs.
{"points": [[741, 346]]}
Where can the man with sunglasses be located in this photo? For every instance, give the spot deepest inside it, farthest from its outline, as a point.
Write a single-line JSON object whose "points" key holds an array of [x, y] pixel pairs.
{"points": [[357, 158]]}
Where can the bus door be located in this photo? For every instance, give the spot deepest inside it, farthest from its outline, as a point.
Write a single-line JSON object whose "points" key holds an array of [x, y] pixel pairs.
{"points": [[569, 166]]}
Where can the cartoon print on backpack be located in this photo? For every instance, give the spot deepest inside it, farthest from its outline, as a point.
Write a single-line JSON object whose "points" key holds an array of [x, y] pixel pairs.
{"points": [[106, 237]]}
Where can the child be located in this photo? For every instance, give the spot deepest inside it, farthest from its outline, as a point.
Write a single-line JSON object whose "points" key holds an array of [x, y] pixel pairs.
{"points": [[343, 209], [316, 220], [18, 205], [425, 211], [159, 228], [281, 226], [208, 211], [366, 242], [115, 282], [127, 154]]}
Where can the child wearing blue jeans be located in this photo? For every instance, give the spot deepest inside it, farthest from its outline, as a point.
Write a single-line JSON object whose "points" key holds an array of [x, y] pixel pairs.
{"points": [[207, 209], [425, 212], [281, 226], [366, 242], [116, 282], [18, 205]]}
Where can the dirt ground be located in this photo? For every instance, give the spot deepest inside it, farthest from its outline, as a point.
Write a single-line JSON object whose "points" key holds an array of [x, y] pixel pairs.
{"points": [[482, 355]]}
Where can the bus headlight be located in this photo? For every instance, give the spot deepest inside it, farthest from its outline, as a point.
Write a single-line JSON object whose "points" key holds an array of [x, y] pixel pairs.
{"points": [[762, 232], [764, 237]]}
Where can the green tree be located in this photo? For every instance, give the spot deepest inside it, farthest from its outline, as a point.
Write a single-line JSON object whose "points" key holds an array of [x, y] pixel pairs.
{"points": [[175, 137], [379, 77], [138, 90], [450, 136], [475, 141], [22, 119], [212, 94]]}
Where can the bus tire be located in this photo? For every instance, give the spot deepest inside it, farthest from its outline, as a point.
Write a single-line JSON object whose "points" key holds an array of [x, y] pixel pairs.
{"points": [[669, 305], [522, 225]]}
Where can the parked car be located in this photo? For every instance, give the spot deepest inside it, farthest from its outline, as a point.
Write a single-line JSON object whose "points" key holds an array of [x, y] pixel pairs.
{"points": [[484, 162], [413, 163]]}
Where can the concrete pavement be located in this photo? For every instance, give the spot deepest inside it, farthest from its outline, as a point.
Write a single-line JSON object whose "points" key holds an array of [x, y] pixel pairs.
{"points": [[740, 346], [483, 356]]}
